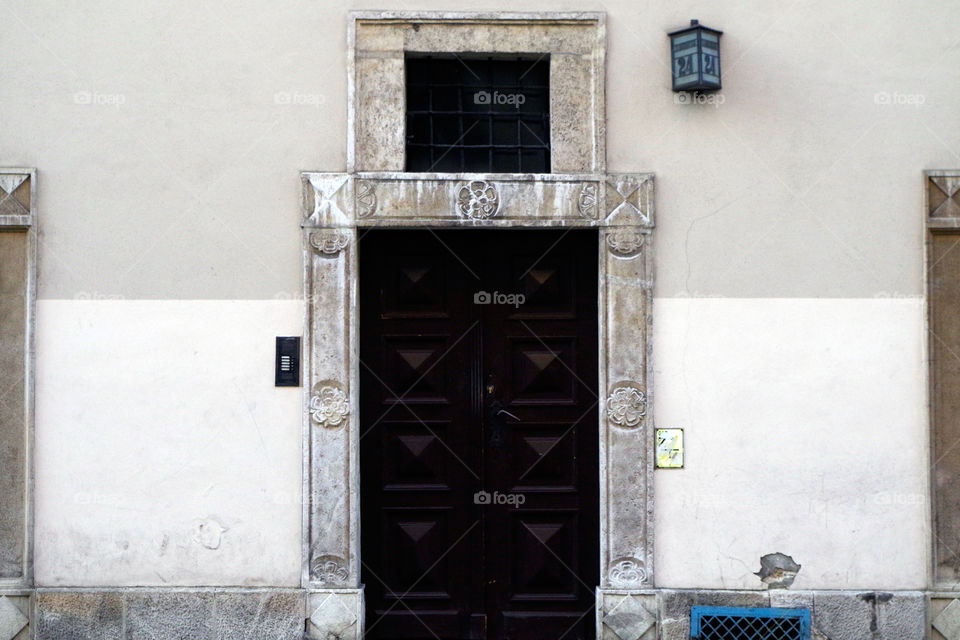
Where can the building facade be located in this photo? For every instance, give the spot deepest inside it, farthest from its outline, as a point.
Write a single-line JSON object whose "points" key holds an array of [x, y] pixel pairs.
{"points": [[518, 263]]}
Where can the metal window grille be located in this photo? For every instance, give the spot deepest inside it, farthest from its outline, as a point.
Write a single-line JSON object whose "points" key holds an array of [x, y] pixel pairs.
{"points": [[740, 623], [478, 114]]}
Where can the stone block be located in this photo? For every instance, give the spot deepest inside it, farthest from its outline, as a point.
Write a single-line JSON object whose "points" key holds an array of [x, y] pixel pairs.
{"points": [[156, 615], [271, 616], [14, 617], [870, 615], [335, 613], [79, 616]]}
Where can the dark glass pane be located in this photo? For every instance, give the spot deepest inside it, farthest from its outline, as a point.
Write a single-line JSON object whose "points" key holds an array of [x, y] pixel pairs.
{"points": [[476, 157], [506, 161], [535, 161], [505, 132], [418, 129], [533, 132], [477, 132], [418, 158], [446, 130], [418, 99], [457, 106]]}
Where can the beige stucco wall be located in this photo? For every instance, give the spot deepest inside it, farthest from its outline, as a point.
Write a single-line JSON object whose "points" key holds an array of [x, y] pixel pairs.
{"points": [[169, 138]]}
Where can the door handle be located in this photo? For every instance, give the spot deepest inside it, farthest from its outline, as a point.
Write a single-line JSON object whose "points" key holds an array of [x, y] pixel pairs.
{"points": [[497, 425], [504, 412]]}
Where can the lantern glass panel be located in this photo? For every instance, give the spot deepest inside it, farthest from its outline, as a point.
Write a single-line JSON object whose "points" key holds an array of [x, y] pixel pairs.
{"points": [[695, 58]]}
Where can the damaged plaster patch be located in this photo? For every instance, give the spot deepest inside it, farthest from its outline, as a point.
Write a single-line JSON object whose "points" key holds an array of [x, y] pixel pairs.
{"points": [[209, 533], [777, 570]]}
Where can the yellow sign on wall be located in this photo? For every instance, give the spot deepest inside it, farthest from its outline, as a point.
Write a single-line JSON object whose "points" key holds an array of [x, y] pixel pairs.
{"points": [[669, 448]]}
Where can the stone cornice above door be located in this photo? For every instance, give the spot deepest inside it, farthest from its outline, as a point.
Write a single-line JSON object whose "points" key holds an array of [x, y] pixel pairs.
{"points": [[449, 199]]}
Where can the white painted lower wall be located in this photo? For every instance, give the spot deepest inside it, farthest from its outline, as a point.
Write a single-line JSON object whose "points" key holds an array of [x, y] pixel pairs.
{"points": [[157, 425], [806, 433], [805, 423]]}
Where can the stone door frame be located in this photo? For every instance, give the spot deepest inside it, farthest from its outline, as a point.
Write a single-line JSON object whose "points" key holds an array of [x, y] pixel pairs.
{"points": [[375, 192]]}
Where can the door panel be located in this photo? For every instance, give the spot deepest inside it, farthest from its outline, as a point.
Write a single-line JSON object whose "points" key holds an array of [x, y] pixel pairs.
{"points": [[459, 398]]}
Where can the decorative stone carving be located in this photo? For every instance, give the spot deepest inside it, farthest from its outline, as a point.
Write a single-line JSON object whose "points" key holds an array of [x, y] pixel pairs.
{"points": [[587, 201], [625, 243], [626, 406], [943, 195], [328, 195], [14, 194], [329, 406], [628, 618], [477, 199], [948, 621], [12, 620], [627, 572], [329, 570], [336, 614], [329, 241], [366, 198], [628, 199]]}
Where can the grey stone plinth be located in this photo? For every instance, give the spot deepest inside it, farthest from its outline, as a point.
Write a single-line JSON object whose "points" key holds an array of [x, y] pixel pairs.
{"points": [[870, 615], [171, 614], [626, 615], [160, 615], [79, 616], [272, 616], [14, 617], [335, 613]]}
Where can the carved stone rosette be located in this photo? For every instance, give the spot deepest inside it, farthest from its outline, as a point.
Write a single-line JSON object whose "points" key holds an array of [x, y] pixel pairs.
{"points": [[627, 573], [329, 241], [329, 570], [626, 406], [625, 243], [477, 199], [329, 405]]}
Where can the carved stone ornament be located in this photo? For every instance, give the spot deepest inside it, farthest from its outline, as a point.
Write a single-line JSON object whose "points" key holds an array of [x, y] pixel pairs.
{"points": [[329, 406], [587, 201], [626, 406], [625, 243], [477, 199], [628, 619], [627, 572], [329, 241], [366, 199], [328, 569]]}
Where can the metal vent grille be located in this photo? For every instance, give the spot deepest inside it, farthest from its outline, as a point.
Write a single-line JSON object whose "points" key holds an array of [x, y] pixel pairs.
{"points": [[740, 623]]}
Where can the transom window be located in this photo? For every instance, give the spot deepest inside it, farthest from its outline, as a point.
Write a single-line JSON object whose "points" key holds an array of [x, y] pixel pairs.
{"points": [[479, 113]]}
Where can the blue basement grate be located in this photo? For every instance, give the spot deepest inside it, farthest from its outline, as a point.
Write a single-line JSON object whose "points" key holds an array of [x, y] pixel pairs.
{"points": [[744, 623]]}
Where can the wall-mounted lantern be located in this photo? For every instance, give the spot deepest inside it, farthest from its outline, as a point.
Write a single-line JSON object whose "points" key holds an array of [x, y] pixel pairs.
{"points": [[695, 58]]}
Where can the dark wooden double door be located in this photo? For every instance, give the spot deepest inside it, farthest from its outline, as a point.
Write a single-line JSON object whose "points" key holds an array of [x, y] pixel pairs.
{"points": [[479, 445]]}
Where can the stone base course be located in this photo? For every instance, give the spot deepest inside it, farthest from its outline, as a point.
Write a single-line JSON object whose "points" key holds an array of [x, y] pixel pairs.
{"points": [[296, 614]]}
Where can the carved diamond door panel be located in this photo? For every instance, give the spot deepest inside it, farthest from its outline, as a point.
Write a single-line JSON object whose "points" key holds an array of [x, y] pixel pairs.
{"points": [[479, 435]]}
